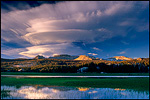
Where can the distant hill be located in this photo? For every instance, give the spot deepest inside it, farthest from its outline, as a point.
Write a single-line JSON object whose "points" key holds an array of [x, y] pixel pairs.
{"points": [[64, 56], [39, 57], [5, 60], [93, 58], [83, 57], [8, 60], [20, 58], [140, 59], [120, 58]]}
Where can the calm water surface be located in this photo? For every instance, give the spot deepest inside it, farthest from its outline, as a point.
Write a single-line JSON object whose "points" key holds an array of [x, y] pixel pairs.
{"points": [[57, 92]]}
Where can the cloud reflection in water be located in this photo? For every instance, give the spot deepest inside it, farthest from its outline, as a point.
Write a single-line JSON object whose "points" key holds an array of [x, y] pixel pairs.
{"points": [[33, 92]]}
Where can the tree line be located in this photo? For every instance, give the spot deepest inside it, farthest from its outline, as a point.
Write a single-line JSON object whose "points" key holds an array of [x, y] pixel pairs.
{"points": [[71, 66]]}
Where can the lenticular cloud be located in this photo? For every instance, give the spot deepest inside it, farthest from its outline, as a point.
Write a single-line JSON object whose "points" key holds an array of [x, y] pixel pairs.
{"points": [[68, 22]]}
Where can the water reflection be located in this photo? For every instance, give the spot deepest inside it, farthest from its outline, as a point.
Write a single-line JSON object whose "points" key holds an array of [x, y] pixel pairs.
{"points": [[83, 89], [119, 89], [41, 92]]}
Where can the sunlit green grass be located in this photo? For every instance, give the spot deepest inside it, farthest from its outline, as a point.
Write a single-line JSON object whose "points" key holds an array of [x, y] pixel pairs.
{"points": [[76, 74], [141, 84]]}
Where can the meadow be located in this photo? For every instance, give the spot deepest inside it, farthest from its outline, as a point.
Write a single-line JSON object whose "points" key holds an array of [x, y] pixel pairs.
{"points": [[75, 74], [140, 84]]}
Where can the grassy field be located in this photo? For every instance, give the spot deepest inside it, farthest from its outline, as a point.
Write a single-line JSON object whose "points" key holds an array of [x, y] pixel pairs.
{"points": [[76, 74], [140, 84]]}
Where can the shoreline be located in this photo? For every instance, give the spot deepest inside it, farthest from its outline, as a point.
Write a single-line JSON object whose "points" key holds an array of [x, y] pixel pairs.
{"points": [[67, 76]]}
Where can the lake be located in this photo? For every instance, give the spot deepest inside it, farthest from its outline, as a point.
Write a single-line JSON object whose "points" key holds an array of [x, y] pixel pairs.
{"points": [[67, 92]]}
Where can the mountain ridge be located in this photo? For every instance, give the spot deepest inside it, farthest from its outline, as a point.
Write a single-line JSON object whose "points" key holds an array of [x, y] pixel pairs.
{"points": [[82, 57], [121, 58]]}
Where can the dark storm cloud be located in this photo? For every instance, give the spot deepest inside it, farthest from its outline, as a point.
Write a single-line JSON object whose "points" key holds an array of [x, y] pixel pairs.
{"points": [[23, 5]]}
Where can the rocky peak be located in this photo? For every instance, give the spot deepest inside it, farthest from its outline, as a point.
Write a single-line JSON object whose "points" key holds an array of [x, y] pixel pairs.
{"points": [[83, 57], [39, 57]]}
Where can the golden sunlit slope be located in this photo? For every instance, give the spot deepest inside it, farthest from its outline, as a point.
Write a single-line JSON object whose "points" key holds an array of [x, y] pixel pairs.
{"points": [[83, 57], [121, 58], [139, 59]]}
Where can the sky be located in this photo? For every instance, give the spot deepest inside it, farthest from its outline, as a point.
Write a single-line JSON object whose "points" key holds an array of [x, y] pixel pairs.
{"points": [[101, 29]]}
